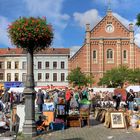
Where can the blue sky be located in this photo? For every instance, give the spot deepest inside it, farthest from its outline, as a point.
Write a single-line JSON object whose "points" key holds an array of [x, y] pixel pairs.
{"points": [[68, 17]]}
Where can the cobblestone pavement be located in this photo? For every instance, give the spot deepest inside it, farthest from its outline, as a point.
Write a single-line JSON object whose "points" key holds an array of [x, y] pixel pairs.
{"points": [[95, 132]]}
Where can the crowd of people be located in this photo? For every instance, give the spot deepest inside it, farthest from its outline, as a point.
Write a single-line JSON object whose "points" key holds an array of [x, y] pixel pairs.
{"points": [[73, 98]]}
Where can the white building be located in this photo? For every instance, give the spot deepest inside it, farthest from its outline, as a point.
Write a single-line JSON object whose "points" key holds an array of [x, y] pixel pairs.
{"points": [[50, 66]]}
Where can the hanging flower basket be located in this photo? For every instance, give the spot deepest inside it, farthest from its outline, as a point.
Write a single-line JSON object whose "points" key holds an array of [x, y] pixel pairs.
{"points": [[31, 34]]}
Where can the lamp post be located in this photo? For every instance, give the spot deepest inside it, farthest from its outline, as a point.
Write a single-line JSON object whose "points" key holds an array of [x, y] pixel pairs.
{"points": [[29, 128], [31, 34]]}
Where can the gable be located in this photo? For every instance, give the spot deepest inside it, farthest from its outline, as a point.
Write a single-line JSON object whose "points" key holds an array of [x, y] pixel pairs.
{"points": [[109, 26]]}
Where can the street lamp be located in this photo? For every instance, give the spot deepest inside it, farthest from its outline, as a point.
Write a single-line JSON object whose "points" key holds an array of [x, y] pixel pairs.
{"points": [[31, 34]]}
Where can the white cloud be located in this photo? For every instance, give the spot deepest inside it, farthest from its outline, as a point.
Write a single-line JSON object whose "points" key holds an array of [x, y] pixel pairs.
{"points": [[123, 20], [74, 49], [126, 23], [50, 9], [114, 4], [137, 39], [4, 39], [92, 17]]}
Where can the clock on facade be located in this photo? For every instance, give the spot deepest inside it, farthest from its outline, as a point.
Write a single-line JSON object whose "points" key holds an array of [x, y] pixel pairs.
{"points": [[109, 28]]}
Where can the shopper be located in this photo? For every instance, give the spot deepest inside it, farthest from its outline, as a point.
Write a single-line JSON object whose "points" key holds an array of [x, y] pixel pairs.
{"points": [[67, 98], [130, 99], [118, 100], [40, 100]]}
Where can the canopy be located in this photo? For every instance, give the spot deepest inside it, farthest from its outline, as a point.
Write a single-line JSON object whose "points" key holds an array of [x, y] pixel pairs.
{"points": [[19, 89], [135, 88], [103, 89]]}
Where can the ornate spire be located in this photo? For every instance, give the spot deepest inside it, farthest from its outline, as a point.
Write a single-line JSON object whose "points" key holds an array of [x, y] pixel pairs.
{"points": [[109, 5], [109, 11]]}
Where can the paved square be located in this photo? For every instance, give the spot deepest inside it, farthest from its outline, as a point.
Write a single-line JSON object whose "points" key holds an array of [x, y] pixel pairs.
{"points": [[95, 132]]}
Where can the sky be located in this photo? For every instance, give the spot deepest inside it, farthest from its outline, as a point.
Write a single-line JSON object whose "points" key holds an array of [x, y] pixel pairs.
{"points": [[68, 17]]}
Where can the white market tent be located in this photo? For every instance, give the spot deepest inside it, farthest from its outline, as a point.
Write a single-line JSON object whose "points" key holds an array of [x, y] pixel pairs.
{"points": [[135, 88], [20, 89], [103, 89]]}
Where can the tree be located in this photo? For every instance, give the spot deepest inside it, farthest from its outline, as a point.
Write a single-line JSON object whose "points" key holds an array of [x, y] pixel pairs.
{"points": [[77, 78], [138, 20], [116, 77], [31, 34], [135, 76]]}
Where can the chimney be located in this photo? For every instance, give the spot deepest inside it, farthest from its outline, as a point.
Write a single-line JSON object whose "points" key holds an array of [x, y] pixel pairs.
{"points": [[87, 33], [131, 27]]}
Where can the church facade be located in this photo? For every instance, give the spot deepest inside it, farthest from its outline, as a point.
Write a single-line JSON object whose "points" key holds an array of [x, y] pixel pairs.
{"points": [[108, 45]]}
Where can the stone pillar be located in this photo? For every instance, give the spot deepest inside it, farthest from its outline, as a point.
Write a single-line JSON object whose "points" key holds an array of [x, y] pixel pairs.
{"points": [[101, 57], [29, 128], [132, 53], [119, 53], [87, 42]]}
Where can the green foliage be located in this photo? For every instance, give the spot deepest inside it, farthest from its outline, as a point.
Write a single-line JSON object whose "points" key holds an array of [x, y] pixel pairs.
{"points": [[135, 76], [31, 33], [20, 136], [116, 77], [138, 20], [76, 77]]}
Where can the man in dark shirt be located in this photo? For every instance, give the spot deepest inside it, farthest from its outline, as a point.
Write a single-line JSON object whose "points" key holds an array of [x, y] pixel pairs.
{"points": [[118, 100], [40, 100], [130, 99], [40, 125]]}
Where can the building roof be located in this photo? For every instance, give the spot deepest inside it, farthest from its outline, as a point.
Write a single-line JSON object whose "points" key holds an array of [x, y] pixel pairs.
{"points": [[49, 51]]}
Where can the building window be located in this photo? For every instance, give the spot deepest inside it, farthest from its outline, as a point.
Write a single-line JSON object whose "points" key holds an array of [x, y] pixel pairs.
{"points": [[47, 76], [39, 65], [62, 65], [24, 64], [1, 65], [8, 76], [8, 65], [47, 65], [62, 76], [1, 76], [55, 65], [39, 76], [23, 77], [16, 65], [109, 54], [16, 77], [125, 56], [54, 76], [94, 54]]}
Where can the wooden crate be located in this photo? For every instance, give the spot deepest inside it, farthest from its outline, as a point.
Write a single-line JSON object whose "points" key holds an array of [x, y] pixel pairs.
{"points": [[73, 123]]}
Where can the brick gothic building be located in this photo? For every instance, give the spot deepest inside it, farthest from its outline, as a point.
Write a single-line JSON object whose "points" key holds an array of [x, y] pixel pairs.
{"points": [[108, 45]]}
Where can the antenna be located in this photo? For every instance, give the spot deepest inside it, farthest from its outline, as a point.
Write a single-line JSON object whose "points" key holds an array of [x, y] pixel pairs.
{"points": [[109, 5]]}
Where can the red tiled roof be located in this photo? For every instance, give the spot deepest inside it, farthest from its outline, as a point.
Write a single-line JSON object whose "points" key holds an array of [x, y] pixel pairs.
{"points": [[12, 51]]}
